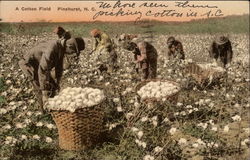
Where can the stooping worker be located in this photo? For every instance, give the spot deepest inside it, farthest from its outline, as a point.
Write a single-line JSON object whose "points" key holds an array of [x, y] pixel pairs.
{"points": [[145, 56], [175, 49], [221, 51], [73, 46], [103, 46], [37, 65]]}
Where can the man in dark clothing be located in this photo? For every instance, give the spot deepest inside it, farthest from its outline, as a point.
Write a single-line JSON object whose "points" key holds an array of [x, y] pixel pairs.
{"points": [[145, 56], [75, 45], [221, 51], [38, 64], [175, 49]]}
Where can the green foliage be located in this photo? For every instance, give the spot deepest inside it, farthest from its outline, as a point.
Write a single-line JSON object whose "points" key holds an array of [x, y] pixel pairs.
{"points": [[2, 86]]}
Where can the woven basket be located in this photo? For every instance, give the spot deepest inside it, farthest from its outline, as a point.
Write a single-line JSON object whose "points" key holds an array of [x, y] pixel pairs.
{"points": [[171, 98], [79, 130], [202, 75]]}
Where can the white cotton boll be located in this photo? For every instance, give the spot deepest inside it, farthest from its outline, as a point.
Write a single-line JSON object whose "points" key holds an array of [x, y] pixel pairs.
{"points": [[245, 142], [158, 95], [129, 89], [54, 99], [64, 104], [140, 134], [226, 129], [129, 115], [48, 140], [79, 104], [98, 99], [158, 149], [91, 96], [236, 118], [84, 96], [137, 105], [155, 123], [172, 131], [72, 104], [79, 96], [36, 137], [182, 141], [144, 144], [78, 90], [72, 93], [52, 103], [144, 119], [148, 157], [175, 90], [58, 102], [23, 137], [247, 130], [214, 128], [195, 145], [143, 97], [134, 129], [79, 100], [179, 104], [3, 111], [91, 103], [119, 109], [66, 90], [72, 110]]}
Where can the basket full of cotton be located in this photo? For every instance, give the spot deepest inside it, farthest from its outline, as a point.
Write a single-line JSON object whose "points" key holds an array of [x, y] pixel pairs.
{"points": [[78, 114], [158, 90], [204, 73]]}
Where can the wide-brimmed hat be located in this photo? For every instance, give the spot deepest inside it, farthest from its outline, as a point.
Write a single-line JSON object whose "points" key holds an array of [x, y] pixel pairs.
{"points": [[221, 40]]}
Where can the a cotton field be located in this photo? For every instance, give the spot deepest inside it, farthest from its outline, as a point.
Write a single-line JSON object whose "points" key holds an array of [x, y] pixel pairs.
{"points": [[209, 123]]}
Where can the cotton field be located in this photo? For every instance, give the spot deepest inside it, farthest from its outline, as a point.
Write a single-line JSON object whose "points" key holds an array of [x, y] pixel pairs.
{"points": [[208, 122]]}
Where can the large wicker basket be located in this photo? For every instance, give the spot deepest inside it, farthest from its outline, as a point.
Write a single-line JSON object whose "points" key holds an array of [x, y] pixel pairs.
{"points": [[171, 98], [79, 130], [204, 75]]}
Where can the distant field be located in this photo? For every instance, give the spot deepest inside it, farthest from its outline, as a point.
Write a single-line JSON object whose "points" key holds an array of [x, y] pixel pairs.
{"points": [[232, 24]]}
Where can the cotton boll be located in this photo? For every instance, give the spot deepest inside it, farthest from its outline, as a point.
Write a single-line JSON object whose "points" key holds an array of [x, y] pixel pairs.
{"points": [[72, 93], [91, 96], [71, 110], [84, 96], [79, 104], [65, 103], [58, 102], [79, 96], [72, 104], [52, 103], [77, 90], [158, 95]]}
